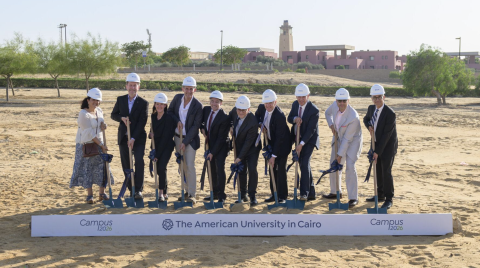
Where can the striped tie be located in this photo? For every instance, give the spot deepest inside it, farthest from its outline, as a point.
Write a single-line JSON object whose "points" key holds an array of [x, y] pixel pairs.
{"points": [[374, 118]]}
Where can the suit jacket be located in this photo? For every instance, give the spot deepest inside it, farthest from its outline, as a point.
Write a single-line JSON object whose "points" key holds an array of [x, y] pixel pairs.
{"points": [[386, 133], [280, 135], [193, 122], [138, 118], [350, 133], [164, 130], [309, 126], [218, 134], [247, 134]]}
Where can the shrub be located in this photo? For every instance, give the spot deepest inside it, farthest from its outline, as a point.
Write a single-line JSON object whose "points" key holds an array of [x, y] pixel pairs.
{"points": [[303, 64], [318, 66], [275, 70], [300, 70], [247, 69], [287, 70], [394, 74], [245, 89], [341, 67], [213, 88], [202, 88]]}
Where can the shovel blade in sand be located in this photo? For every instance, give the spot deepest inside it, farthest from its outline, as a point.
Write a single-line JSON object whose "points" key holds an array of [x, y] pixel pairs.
{"points": [[113, 203], [376, 209], [134, 203], [212, 204], [337, 205], [276, 203], [157, 204], [182, 203], [295, 203]]}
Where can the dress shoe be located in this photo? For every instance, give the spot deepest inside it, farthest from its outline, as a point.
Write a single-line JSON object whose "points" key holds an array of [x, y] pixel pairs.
{"points": [[282, 201], [387, 204], [180, 198], [245, 199], [310, 198], [352, 203], [303, 197], [253, 202], [161, 199], [372, 199], [166, 196], [331, 196], [138, 195], [191, 199], [221, 200], [207, 198], [270, 199]]}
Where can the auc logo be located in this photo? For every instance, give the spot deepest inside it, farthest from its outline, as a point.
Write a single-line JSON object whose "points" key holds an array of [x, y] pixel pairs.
{"points": [[102, 226], [393, 225], [167, 224]]}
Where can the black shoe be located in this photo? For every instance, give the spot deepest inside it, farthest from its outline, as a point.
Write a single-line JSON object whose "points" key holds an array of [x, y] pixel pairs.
{"points": [[270, 199], [387, 204], [310, 198], [372, 199], [253, 202], [352, 203], [282, 201], [138, 195], [186, 196], [239, 202], [331, 196], [221, 200], [245, 199]]}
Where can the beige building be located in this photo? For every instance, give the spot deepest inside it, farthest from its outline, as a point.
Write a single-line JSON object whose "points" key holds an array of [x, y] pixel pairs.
{"points": [[200, 56], [286, 38]]}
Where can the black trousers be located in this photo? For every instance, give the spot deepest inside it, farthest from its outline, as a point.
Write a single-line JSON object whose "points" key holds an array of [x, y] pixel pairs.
{"points": [[217, 168], [249, 167], [384, 176], [138, 153], [280, 172], [307, 186], [162, 164]]}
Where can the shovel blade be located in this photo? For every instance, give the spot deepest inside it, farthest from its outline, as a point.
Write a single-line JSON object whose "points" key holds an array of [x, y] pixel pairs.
{"points": [[182, 204], [218, 205], [272, 206], [337, 205], [377, 210], [162, 205], [117, 203], [295, 204], [209, 205], [153, 204], [134, 203]]}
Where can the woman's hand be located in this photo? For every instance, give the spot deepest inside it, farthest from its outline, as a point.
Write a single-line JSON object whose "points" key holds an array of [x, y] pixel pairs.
{"points": [[103, 126], [104, 148]]}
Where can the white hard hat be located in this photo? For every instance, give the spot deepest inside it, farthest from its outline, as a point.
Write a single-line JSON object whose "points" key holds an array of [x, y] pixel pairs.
{"points": [[377, 90], [133, 77], [269, 96], [242, 102], [302, 90], [189, 82], [342, 94], [161, 98], [95, 94], [217, 94]]}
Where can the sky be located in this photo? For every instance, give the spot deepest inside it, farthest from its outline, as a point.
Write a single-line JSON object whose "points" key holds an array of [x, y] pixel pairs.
{"points": [[366, 24]]}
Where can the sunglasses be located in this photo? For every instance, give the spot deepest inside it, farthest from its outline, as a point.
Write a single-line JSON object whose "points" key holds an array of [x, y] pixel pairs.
{"points": [[341, 101], [242, 110], [377, 97]]}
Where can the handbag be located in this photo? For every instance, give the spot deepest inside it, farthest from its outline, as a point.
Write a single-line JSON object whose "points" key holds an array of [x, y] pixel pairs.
{"points": [[91, 149]]}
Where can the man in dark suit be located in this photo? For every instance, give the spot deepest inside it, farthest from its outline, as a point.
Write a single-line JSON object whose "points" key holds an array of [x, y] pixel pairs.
{"points": [[188, 112], [135, 109], [245, 131], [381, 120], [305, 114], [215, 126], [274, 124]]}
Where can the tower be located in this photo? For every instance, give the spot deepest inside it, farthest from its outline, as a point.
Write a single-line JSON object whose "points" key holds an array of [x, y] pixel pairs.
{"points": [[286, 38]]}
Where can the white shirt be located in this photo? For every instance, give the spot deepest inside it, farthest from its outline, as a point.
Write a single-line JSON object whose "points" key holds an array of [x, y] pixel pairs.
{"points": [[239, 124], [88, 127], [301, 115], [213, 119], [130, 103], [266, 122], [338, 118], [182, 112]]}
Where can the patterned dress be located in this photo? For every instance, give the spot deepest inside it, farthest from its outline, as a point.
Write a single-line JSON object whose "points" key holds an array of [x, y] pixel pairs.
{"points": [[88, 170]]}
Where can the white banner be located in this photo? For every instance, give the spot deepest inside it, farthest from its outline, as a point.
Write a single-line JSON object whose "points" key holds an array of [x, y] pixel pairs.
{"points": [[241, 224]]}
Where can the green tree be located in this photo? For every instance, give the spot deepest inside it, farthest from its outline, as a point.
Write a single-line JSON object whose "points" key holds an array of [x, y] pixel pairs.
{"points": [[52, 59], [231, 55], [93, 56], [15, 59], [133, 51], [179, 55], [341, 67], [430, 71]]}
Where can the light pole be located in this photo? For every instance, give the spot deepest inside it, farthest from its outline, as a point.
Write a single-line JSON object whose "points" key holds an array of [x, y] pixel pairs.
{"points": [[221, 51], [459, 46]]}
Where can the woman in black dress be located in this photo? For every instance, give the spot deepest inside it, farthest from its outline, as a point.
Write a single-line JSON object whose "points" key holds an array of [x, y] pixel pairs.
{"points": [[163, 126]]}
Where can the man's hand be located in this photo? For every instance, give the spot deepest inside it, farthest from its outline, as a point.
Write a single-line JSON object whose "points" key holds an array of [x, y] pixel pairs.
{"points": [[182, 147], [231, 131], [370, 128], [104, 149], [298, 121], [204, 135], [237, 160], [180, 127], [299, 149], [210, 157], [155, 159], [339, 159], [103, 126], [130, 143], [375, 156], [125, 119], [332, 127], [271, 161]]}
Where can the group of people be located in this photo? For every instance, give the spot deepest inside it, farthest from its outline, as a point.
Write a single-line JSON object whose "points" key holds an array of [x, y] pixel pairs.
{"points": [[176, 126]]}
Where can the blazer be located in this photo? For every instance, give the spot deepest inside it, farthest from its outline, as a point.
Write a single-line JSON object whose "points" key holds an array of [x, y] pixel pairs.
{"points": [[386, 133], [246, 137], [350, 133], [280, 135], [193, 122], [138, 118], [218, 136], [163, 130], [309, 126]]}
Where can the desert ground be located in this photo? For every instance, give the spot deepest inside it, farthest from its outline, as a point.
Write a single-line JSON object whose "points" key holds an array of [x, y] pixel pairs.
{"points": [[436, 170]]}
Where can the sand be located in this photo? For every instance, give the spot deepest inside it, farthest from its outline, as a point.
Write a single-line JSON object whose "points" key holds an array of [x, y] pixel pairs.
{"points": [[37, 143]]}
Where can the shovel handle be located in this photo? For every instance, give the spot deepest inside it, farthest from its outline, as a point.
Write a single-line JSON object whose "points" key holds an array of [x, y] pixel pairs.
{"points": [[337, 177], [272, 175], [154, 163], [106, 162], [209, 170], [374, 165], [130, 153], [297, 142]]}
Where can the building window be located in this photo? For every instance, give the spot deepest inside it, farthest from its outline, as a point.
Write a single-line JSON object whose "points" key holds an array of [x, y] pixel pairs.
{"points": [[254, 58], [289, 57], [372, 58], [386, 57], [372, 67], [318, 57], [306, 57], [347, 66], [383, 57]]}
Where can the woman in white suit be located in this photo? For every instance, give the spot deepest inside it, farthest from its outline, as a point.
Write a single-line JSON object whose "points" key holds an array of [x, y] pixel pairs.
{"points": [[342, 118]]}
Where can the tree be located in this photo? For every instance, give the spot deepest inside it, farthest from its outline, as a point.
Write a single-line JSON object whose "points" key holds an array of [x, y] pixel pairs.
{"points": [[430, 70], [231, 55], [93, 56], [179, 55], [52, 59], [133, 51], [15, 59]]}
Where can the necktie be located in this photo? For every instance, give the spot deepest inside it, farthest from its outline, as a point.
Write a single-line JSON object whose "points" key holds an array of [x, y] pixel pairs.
{"points": [[235, 132], [374, 118], [267, 124], [300, 112], [210, 123]]}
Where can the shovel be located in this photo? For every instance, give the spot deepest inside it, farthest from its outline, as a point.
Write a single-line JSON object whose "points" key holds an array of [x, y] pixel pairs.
{"points": [[182, 203], [376, 209], [274, 184], [156, 203], [337, 205], [211, 204], [239, 200], [131, 201], [295, 203], [110, 203]]}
